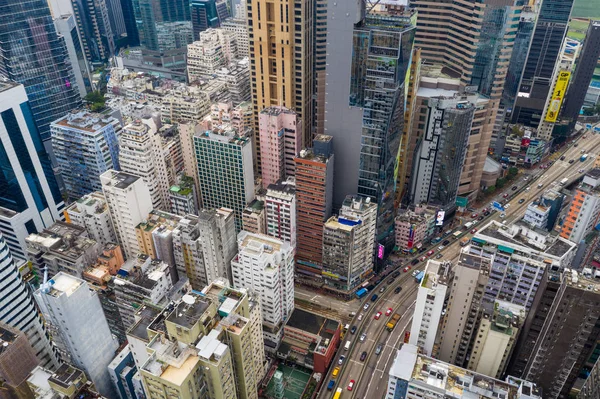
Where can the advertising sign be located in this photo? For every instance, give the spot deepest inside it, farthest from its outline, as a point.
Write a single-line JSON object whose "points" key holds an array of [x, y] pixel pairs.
{"points": [[380, 251], [439, 220], [557, 97], [411, 236]]}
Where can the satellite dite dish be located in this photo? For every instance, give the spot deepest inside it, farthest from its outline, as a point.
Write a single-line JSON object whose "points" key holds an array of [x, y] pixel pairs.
{"points": [[187, 298]]}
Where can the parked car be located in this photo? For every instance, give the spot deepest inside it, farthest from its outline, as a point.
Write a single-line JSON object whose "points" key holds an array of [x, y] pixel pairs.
{"points": [[341, 360], [363, 356], [377, 316], [388, 311], [521, 200], [353, 330]]}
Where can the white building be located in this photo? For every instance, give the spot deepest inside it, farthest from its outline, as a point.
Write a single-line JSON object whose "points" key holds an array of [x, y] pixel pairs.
{"points": [[240, 29], [429, 306], [78, 327], [266, 265], [129, 204], [215, 49], [584, 211], [30, 198], [280, 203], [85, 145], [142, 155], [23, 314], [415, 376], [91, 212]]}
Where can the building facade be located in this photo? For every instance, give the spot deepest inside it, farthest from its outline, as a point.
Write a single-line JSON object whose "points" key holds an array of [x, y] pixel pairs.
{"points": [[584, 209], [281, 207]]}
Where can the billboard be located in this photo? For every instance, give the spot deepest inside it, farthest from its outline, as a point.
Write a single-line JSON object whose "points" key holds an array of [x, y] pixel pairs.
{"points": [[411, 236], [462, 202], [380, 251], [439, 220], [557, 96]]}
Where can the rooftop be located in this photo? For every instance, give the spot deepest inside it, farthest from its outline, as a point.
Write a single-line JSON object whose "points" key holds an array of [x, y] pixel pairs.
{"points": [[187, 315], [66, 375], [146, 316], [85, 121], [305, 321], [121, 180], [63, 283], [257, 243], [7, 336], [6, 84]]}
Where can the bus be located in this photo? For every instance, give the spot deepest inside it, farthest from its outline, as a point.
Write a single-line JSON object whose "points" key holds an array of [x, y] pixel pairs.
{"points": [[337, 394], [457, 233]]}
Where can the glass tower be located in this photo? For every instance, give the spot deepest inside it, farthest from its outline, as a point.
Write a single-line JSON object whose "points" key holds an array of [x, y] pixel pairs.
{"points": [[33, 54]]}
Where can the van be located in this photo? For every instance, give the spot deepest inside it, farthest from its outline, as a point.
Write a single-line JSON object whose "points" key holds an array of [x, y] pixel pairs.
{"points": [[347, 346], [347, 327]]}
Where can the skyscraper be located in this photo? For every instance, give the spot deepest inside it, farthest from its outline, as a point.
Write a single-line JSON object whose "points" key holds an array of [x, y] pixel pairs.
{"points": [[77, 324], [207, 14], [33, 54], [367, 65], [151, 16], [546, 43], [29, 196], [281, 58], [22, 313]]}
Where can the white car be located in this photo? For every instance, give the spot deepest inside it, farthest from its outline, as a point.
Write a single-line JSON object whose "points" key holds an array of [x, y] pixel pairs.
{"points": [[363, 337], [526, 178], [360, 316], [502, 215], [528, 188], [366, 306], [341, 360]]}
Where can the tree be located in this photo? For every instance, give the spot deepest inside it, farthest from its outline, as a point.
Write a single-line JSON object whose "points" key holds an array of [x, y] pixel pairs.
{"points": [[490, 189], [96, 100], [501, 182], [512, 172]]}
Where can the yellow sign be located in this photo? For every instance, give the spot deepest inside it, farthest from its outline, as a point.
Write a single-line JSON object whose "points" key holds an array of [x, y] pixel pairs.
{"points": [[557, 97]]}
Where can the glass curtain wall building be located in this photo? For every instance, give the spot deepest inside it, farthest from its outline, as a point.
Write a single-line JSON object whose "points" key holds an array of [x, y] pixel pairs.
{"points": [[150, 15], [33, 54], [382, 48]]}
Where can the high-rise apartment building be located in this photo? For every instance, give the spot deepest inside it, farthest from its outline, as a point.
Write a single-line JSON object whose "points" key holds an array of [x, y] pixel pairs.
{"points": [[52, 89], [544, 50], [22, 314], [431, 295], [584, 72], [142, 154], [93, 24], [566, 347], [225, 170], [314, 196], [85, 145], [281, 62], [122, 370], [584, 210], [183, 196], [281, 208], [91, 212], [78, 327], [441, 149], [29, 196], [129, 203], [214, 49], [239, 28], [266, 265], [17, 361], [414, 375], [254, 217], [364, 107], [279, 139], [543, 211]]}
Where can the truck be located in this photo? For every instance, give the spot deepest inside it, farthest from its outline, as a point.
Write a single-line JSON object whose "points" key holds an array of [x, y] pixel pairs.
{"points": [[419, 276], [464, 241], [361, 293], [347, 346], [338, 393], [584, 157], [468, 225], [564, 181], [392, 323]]}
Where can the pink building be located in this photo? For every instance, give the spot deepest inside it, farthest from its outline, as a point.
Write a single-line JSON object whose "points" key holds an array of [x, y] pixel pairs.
{"points": [[280, 142]]}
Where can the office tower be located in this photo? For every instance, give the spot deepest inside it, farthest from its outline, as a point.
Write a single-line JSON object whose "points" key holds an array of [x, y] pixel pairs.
{"points": [[17, 361], [117, 21], [206, 14], [414, 375], [85, 145], [518, 57], [152, 16], [281, 205], [369, 138], [281, 59], [141, 154], [440, 153], [546, 44], [183, 197], [584, 209], [543, 211], [129, 203], [431, 295], [29, 196], [62, 247], [129, 15], [496, 338], [569, 335], [67, 28], [141, 280], [93, 24], [584, 71], [266, 265], [69, 306], [254, 217], [319, 48], [121, 370], [52, 89], [314, 196], [280, 138], [23, 314], [204, 246], [212, 50], [91, 212], [226, 176], [240, 31]]}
